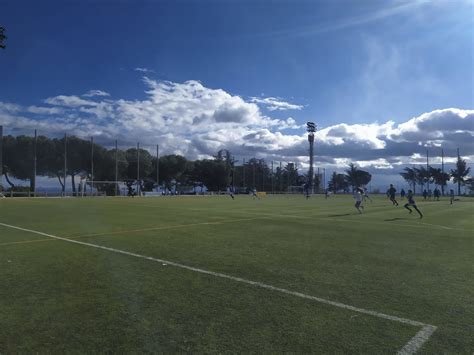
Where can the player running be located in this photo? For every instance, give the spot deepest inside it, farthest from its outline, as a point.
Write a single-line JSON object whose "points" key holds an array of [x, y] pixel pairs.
{"points": [[391, 194], [306, 189], [366, 195], [231, 192], [411, 203], [358, 196], [254, 194]]}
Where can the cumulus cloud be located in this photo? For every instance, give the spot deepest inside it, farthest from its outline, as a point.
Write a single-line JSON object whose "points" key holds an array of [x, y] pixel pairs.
{"points": [[191, 119], [275, 104], [92, 93]]}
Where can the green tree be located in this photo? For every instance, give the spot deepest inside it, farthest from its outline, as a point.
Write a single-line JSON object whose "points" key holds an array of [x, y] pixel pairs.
{"points": [[460, 173], [172, 167], [439, 177], [17, 158], [356, 177], [338, 182], [212, 173], [146, 166], [410, 176], [422, 176]]}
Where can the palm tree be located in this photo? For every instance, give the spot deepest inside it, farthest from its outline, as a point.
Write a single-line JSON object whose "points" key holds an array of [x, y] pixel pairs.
{"points": [[352, 175], [410, 176], [422, 176], [460, 173], [439, 177]]}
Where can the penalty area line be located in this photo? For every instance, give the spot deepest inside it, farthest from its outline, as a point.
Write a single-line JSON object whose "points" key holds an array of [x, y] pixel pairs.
{"points": [[411, 347]]}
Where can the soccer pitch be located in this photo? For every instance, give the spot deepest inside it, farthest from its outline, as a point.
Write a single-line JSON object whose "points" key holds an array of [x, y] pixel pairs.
{"points": [[211, 274]]}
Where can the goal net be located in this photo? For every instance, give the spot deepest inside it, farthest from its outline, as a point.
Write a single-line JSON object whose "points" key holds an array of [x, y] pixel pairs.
{"points": [[295, 189], [117, 188]]}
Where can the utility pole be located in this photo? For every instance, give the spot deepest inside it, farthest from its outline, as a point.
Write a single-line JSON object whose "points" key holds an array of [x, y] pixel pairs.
{"points": [[34, 164], [324, 179], [92, 164], [138, 168], [311, 129], [281, 179], [65, 164], [243, 173], [116, 168], [427, 172], [442, 168], [273, 184], [158, 167]]}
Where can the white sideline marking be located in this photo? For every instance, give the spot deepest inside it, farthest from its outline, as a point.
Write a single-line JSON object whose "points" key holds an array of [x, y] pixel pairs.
{"points": [[411, 347], [418, 340]]}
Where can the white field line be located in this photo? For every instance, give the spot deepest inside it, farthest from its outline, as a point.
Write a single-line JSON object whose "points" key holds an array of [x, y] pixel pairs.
{"points": [[320, 217], [125, 231], [411, 347], [418, 340]]}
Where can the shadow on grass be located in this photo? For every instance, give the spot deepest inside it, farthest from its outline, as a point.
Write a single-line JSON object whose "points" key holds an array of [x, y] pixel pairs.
{"points": [[339, 215], [394, 219]]}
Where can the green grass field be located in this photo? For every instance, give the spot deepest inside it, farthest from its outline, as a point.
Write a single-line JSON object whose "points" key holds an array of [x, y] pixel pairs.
{"points": [[58, 296]]}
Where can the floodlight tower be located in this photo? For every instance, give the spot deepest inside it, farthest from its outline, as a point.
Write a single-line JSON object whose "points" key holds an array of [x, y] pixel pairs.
{"points": [[311, 129]]}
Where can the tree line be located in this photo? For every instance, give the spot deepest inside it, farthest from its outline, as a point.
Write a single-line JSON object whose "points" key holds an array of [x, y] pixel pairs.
{"points": [[24, 159], [352, 178], [423, 177], [216, 174]]}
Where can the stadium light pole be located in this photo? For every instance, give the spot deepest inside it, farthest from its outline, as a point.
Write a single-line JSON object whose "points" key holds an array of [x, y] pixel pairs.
{"points": [[311, 128]]}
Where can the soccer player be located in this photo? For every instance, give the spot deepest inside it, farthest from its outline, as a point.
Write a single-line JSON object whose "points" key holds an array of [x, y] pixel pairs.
{"points": [[306, 190], [366, 195], [254, 193], [402, 194], [231, 192], [358, 196], [411, 202], [425, 194], [437, 193], [391, 194], [451, 196]]}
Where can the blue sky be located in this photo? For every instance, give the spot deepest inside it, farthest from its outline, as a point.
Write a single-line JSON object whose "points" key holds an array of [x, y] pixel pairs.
{"points": [[356, 63]]}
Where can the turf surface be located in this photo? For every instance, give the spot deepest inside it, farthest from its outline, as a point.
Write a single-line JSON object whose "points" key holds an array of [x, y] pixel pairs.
{"points": [[58, 296]]}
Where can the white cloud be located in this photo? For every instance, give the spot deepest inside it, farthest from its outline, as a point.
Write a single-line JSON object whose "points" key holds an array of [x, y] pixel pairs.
{"points": [[144, 70], [92, 93], [69, 101], [275, 104], [194, 120]]}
